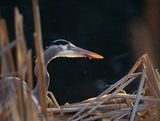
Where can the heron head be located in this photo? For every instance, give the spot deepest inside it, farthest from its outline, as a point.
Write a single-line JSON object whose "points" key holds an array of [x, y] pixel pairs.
{"points": [[67, 49]]}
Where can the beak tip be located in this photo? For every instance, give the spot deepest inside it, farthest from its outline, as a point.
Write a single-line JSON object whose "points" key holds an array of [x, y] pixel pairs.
{"points": [[97, 56], [100, 57]]}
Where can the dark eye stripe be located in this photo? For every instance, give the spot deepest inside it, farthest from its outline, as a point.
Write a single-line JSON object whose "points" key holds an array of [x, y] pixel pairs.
{"points": [[60, 42]]}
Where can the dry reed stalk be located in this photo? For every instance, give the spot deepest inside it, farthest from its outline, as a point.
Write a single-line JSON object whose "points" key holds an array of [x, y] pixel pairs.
{"points": [[149, 70], [21, 53], [102, 108], [141, 60], [7, 47], [115, 92], [109, 97], [152, 87], [3, 71], [10, 63], [107, 91], [39, 54], [110, 114], [119, 102], [137, 64], [121, 81], [30, 112], [15, 116], [151, 75], [138, 96], [121, 95], [7, 63], [53, 100]]}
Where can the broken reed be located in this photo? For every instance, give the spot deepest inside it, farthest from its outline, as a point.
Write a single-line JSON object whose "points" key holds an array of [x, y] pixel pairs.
{"points": [[20, 53], [39, 55]]}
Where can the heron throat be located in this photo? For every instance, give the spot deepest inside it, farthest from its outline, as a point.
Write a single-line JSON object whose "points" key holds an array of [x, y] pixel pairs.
{"points": [[49, 55]]}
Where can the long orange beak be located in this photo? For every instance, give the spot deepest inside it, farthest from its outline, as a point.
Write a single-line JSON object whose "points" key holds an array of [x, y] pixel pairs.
{"points": [[87, 53]]}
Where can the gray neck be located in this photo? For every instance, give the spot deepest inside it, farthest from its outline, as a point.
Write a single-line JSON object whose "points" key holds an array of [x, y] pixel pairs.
{"points": [[49, 54]]}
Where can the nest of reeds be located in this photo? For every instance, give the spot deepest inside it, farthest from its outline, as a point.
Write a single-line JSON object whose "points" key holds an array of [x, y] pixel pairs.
{"points": [[114, 104]]}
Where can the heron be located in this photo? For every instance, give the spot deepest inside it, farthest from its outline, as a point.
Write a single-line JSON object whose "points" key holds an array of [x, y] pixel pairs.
{"points": [[57, 48]]}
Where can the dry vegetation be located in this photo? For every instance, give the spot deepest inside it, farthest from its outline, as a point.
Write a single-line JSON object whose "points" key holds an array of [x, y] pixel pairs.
{"points": [[111, 105]]}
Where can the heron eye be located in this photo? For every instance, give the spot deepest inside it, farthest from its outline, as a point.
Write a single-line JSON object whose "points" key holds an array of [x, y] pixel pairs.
{"points": [[68, 46]]}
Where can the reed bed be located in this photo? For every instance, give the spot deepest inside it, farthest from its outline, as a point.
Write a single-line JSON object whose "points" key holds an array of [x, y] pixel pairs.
{"points": [[114, 104]]}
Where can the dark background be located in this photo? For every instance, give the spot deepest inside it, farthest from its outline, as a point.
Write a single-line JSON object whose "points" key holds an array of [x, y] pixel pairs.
{"points": [[101, 26]]}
